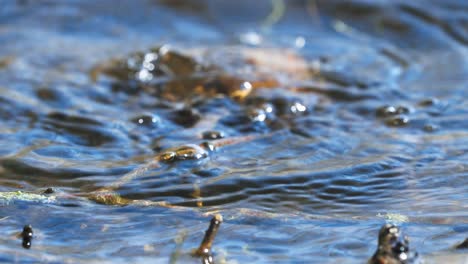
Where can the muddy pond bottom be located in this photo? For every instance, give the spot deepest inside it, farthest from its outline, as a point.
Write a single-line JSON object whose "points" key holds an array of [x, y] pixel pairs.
{"points": [[308, 125]]}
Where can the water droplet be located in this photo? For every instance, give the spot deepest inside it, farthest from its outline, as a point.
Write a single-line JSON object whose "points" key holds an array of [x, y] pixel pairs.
{"points": [[144, 75], [147, 120], [251, 38], [300, 42], [298, 108], [257, 115]]}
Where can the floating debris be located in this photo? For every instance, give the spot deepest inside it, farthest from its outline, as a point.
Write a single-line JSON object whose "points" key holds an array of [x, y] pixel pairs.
{"points": [[27, 236], [393, 248], [204, 250]]}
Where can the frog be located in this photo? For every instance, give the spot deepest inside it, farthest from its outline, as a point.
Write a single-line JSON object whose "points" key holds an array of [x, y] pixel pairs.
{"points": [[177, 74], [108, 195], [393, 248]]}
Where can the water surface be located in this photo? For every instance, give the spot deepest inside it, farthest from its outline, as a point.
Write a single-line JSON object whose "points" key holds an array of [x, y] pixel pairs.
{"points": [[315, 186]]}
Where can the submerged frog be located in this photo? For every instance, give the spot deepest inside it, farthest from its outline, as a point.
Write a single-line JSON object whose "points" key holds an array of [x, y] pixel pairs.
{"points": [[393, 248], [186, 152], [180, 74], [108, 195]]}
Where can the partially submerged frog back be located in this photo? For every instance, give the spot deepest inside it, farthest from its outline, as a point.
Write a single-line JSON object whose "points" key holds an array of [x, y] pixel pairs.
{"points": [[177, 75], [185, 152]]}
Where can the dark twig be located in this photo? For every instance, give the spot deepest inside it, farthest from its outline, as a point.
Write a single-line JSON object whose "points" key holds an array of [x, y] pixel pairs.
{"points": [[204, 250]]}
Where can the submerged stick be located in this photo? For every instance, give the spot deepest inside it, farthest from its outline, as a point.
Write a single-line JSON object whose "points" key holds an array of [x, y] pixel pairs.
{"points": [[204, 250]]}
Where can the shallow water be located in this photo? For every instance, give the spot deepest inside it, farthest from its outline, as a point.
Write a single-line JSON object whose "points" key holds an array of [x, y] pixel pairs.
{"points": [[315, 186]]}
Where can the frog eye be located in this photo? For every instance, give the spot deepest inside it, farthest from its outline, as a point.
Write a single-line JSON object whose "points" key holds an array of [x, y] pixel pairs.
{"points": [[167, 156]]}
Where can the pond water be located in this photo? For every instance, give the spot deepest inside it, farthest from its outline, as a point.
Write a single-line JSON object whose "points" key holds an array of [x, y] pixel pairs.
{"points": [[379, 132]]}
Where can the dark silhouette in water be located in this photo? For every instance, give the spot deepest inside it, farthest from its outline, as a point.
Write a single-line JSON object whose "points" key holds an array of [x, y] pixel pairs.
{"points": [[27, 236], [393, 248], [463, 245]]}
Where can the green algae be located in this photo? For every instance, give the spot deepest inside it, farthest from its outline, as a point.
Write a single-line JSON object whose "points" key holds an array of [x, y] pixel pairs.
{"points": [[10, 197]]}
